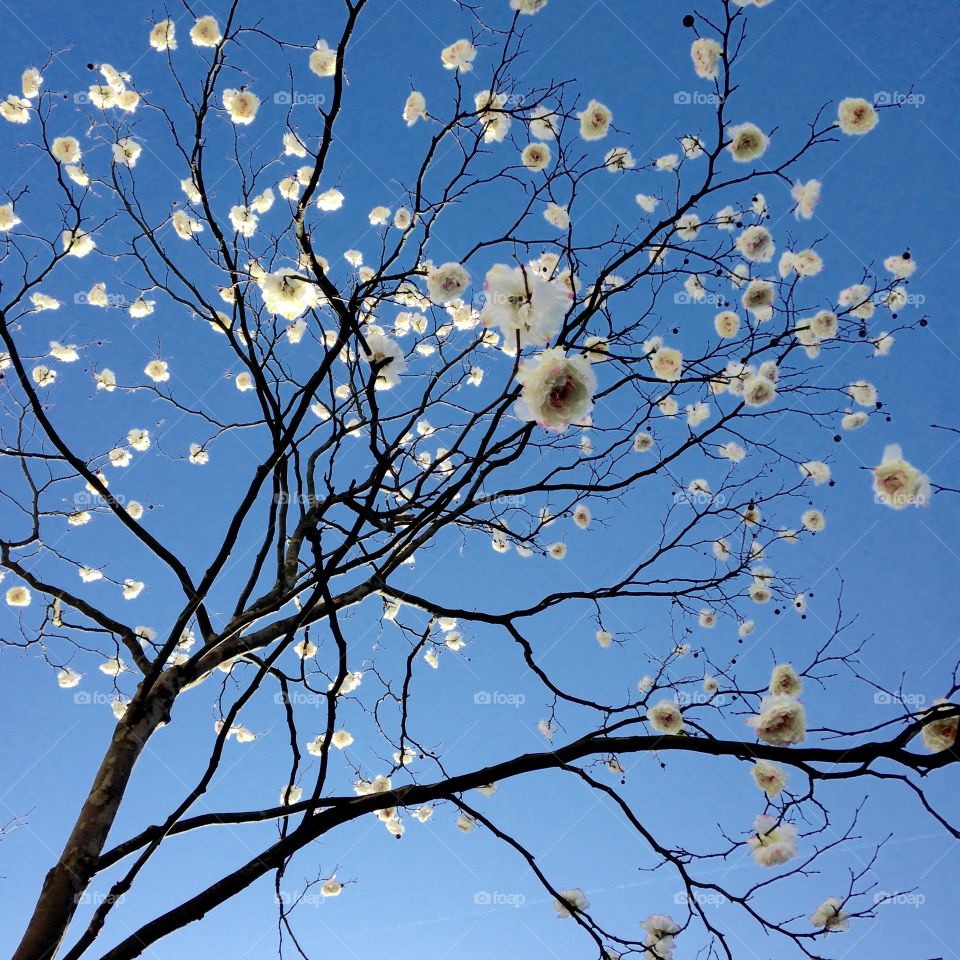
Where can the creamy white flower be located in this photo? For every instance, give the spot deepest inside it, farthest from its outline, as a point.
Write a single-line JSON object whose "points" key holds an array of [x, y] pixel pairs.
{"points": [[206, 32], [288, 293], [557, 390], [535, 156], [756, 244], [557, 216], [747, 142], [705, 54], [665, 717], [544, 123], [523, 305], [388, 356], [571, 901], [726, 323], [830, 916], [939, 733], [18, 597], [773, 845], [856, 116], [813, 520], [782, 721], [68, 678], [163, 36], [595, 121], [323, 59], [806, 196], [447, 282], [132, 589], [758, 299], [77, 243], [414, 108], [8, 219], [769, 777], [242, 105], [898, 484], [459, 56], [758, 391], [784, 680]]}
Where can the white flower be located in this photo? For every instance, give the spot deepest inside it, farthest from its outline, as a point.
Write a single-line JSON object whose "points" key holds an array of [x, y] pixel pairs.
{"points": [[758, 299], [557, 390], [414, 108], [459, 56], [557, 216], [666, 362], [900, 266], [15, 109], [18, 597], [77, 243], [758, 392], [206, 32], [323, 60], [660, 932], [331, 887], [938, 734], [157, 371], [8, 219], [198, 455], [68, 678], [126, 152], [830, 916], [665, 717], [813, 520], [769, 777], [65, 149], [784, 680], [523, 305], [773, 845], [544, 123], [747, 142], [242, 105], [447, 282], [163, 36], [595, 121], [856, 116], [782, 721], [132, 589], [816, 470], [535, 156], [388, 356], [647, 203], [494, 121], [898, 484], [570, 902], [806, 196], [756, 244], [705, 54], [619, 159], [288, 293]]}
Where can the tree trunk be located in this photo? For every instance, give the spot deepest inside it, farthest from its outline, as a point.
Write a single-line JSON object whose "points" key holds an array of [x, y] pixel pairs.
{"points": [[70, 876]]}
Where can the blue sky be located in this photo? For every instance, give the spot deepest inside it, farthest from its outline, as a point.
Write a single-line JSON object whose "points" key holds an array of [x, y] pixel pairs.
{"points": [[437, 891]]}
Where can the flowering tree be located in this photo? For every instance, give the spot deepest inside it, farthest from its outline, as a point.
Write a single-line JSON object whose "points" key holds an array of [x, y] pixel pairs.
{"points": [[491, 370]]}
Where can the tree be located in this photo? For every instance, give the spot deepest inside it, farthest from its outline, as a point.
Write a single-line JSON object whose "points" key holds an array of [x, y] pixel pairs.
{"points": [[379, 409]]}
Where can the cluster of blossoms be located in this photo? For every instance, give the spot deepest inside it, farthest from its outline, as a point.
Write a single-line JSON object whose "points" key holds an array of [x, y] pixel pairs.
{"points": [[782, 718], [774, 843]]}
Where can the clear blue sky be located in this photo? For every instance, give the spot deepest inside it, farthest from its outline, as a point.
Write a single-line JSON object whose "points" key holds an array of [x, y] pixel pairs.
{"points": [[438, 892]]}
